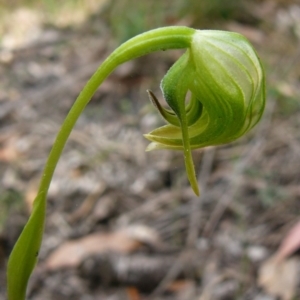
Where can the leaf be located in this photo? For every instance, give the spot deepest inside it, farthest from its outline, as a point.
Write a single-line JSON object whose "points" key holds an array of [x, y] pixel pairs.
{"points": [[9, 151], [30, 194], [71, 253], [290, 244], [24, 256], [133, 293], [279, 275], [279, 278]]}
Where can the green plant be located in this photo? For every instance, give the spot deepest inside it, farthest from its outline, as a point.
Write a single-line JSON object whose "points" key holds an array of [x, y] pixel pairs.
{"points": [[226, 80]]}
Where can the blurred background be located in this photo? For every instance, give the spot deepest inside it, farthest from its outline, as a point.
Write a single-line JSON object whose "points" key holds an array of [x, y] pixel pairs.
{"points": [[123, 223]]}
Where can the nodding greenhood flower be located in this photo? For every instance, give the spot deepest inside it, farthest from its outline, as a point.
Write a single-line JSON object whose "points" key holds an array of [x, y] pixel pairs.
{"points": [[226, 81], [224, 75]]}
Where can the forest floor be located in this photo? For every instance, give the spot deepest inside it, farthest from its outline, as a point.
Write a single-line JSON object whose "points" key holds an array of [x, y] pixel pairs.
{"points": [[123, 223]]}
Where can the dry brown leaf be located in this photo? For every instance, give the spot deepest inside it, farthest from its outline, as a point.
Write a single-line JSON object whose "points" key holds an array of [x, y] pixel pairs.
{"points": [[180, 285], [279, 278], [31, 193], [9, 151], [71, 253], [144, 234], [290, 244], [133, 293], [183, 289]]}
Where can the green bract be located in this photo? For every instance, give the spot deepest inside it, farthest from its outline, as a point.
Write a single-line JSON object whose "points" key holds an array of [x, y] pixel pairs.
{"points": [[226, 81]]}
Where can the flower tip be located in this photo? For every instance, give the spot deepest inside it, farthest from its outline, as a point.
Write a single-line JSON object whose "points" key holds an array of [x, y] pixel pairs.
{"points": [[151, 146], [196, 190]]}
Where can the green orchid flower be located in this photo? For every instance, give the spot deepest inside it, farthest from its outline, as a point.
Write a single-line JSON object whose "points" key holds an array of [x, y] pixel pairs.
{"points": [[226, 80]]}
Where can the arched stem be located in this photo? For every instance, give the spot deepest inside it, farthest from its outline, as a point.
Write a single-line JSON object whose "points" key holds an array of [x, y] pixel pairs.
{"points": [[24, 255]]}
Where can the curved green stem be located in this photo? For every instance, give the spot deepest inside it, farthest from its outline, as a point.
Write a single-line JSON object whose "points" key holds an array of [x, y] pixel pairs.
{"points": [[155, 40], [24, 255]]}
